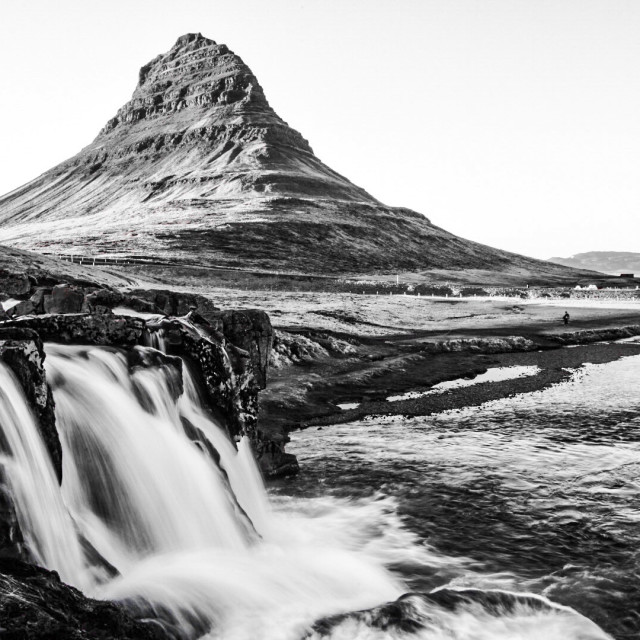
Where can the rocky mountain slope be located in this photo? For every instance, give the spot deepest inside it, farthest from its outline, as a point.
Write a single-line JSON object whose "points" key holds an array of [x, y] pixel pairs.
{"points": [[614, 262], [198, 167]]}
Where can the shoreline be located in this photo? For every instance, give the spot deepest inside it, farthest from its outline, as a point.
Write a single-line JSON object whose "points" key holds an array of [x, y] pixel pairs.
{"points": [[556, 366], [306, 394]]}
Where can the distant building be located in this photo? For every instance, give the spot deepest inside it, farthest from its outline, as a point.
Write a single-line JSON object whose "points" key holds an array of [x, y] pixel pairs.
{"points": [[627, 275]]}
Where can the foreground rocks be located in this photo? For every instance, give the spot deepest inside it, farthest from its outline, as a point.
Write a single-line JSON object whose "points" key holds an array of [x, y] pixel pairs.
{"points": [[36, 605], [227, 353], [21, 351]]}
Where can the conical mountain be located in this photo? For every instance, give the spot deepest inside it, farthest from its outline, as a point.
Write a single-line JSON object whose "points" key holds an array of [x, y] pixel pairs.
{"points": [[199, 168]]}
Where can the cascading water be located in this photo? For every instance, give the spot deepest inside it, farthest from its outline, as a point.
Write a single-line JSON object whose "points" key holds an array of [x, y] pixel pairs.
{"points": [[184, 530], [42, 514]]}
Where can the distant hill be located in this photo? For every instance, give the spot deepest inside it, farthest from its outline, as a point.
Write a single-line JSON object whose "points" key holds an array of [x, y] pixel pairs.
{"points": [[613, 262], [199, 169]]}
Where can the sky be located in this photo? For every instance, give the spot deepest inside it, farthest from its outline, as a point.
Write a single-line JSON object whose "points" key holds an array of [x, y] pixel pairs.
{"points": [[515, 123]]}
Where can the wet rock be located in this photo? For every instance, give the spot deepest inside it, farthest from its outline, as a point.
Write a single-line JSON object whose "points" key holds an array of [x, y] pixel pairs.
{"points": [[37, 299], [250, 330], [12, 544], [273, 460], [231, 396], [23, 308], [139, 359], [100, 329], [108, 298], [140, 305], [37, 605], [417, 612], [64, 298], [230, 375], [22, 351], [174, 303]]}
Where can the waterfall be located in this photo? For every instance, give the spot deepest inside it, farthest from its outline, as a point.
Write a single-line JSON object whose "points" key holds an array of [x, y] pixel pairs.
{"points": [[43, 517], [146, 515], [182, 530]]}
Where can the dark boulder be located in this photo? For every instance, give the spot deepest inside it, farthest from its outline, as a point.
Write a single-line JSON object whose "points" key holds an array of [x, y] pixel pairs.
{"points": [[38, 298], [273, 460], [174, 303], [103, 298], [23, 308], [250, 330], [64, 298], [14, 284]]}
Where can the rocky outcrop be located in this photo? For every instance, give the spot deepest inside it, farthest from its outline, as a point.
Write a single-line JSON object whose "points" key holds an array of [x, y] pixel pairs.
{"points": [[296, 348], [250, 331], [37, 605], [170, 303], [101, 329], [197, 168], [22, 351], [63, 299], [225, 376], [230, 375]]}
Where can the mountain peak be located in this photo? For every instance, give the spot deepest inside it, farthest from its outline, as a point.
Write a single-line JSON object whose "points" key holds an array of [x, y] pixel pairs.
{"points": [[197, 166], [196, 74], [189, 38]]}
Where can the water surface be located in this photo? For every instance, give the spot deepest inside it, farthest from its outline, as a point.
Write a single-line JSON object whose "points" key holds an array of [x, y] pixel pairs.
{"points": [[538, 493]]}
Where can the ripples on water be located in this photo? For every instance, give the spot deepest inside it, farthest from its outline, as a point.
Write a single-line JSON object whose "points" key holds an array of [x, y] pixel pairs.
{"points": [[537, 493]]}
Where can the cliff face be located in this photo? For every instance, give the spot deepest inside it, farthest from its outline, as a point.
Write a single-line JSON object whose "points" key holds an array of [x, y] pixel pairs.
{"points": [[198, 167]]}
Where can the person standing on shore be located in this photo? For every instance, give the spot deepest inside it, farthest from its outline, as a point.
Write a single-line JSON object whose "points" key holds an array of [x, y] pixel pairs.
{"points": [[566, 317]]}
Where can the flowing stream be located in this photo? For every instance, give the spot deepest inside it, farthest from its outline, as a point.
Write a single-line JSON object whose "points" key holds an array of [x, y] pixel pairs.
{"points": [[539, 493], [186, 532]]}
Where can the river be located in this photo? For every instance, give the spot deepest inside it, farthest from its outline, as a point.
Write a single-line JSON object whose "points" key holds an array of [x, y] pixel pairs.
{"points": [[535, 495], [539, 493]]}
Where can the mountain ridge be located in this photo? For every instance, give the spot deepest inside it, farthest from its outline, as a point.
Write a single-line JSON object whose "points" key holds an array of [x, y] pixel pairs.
{"points": [[197, 166], [612, 262]]}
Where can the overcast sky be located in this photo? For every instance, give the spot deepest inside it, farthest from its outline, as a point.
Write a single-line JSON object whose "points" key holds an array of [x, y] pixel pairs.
{"points": [[515, 123]]}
